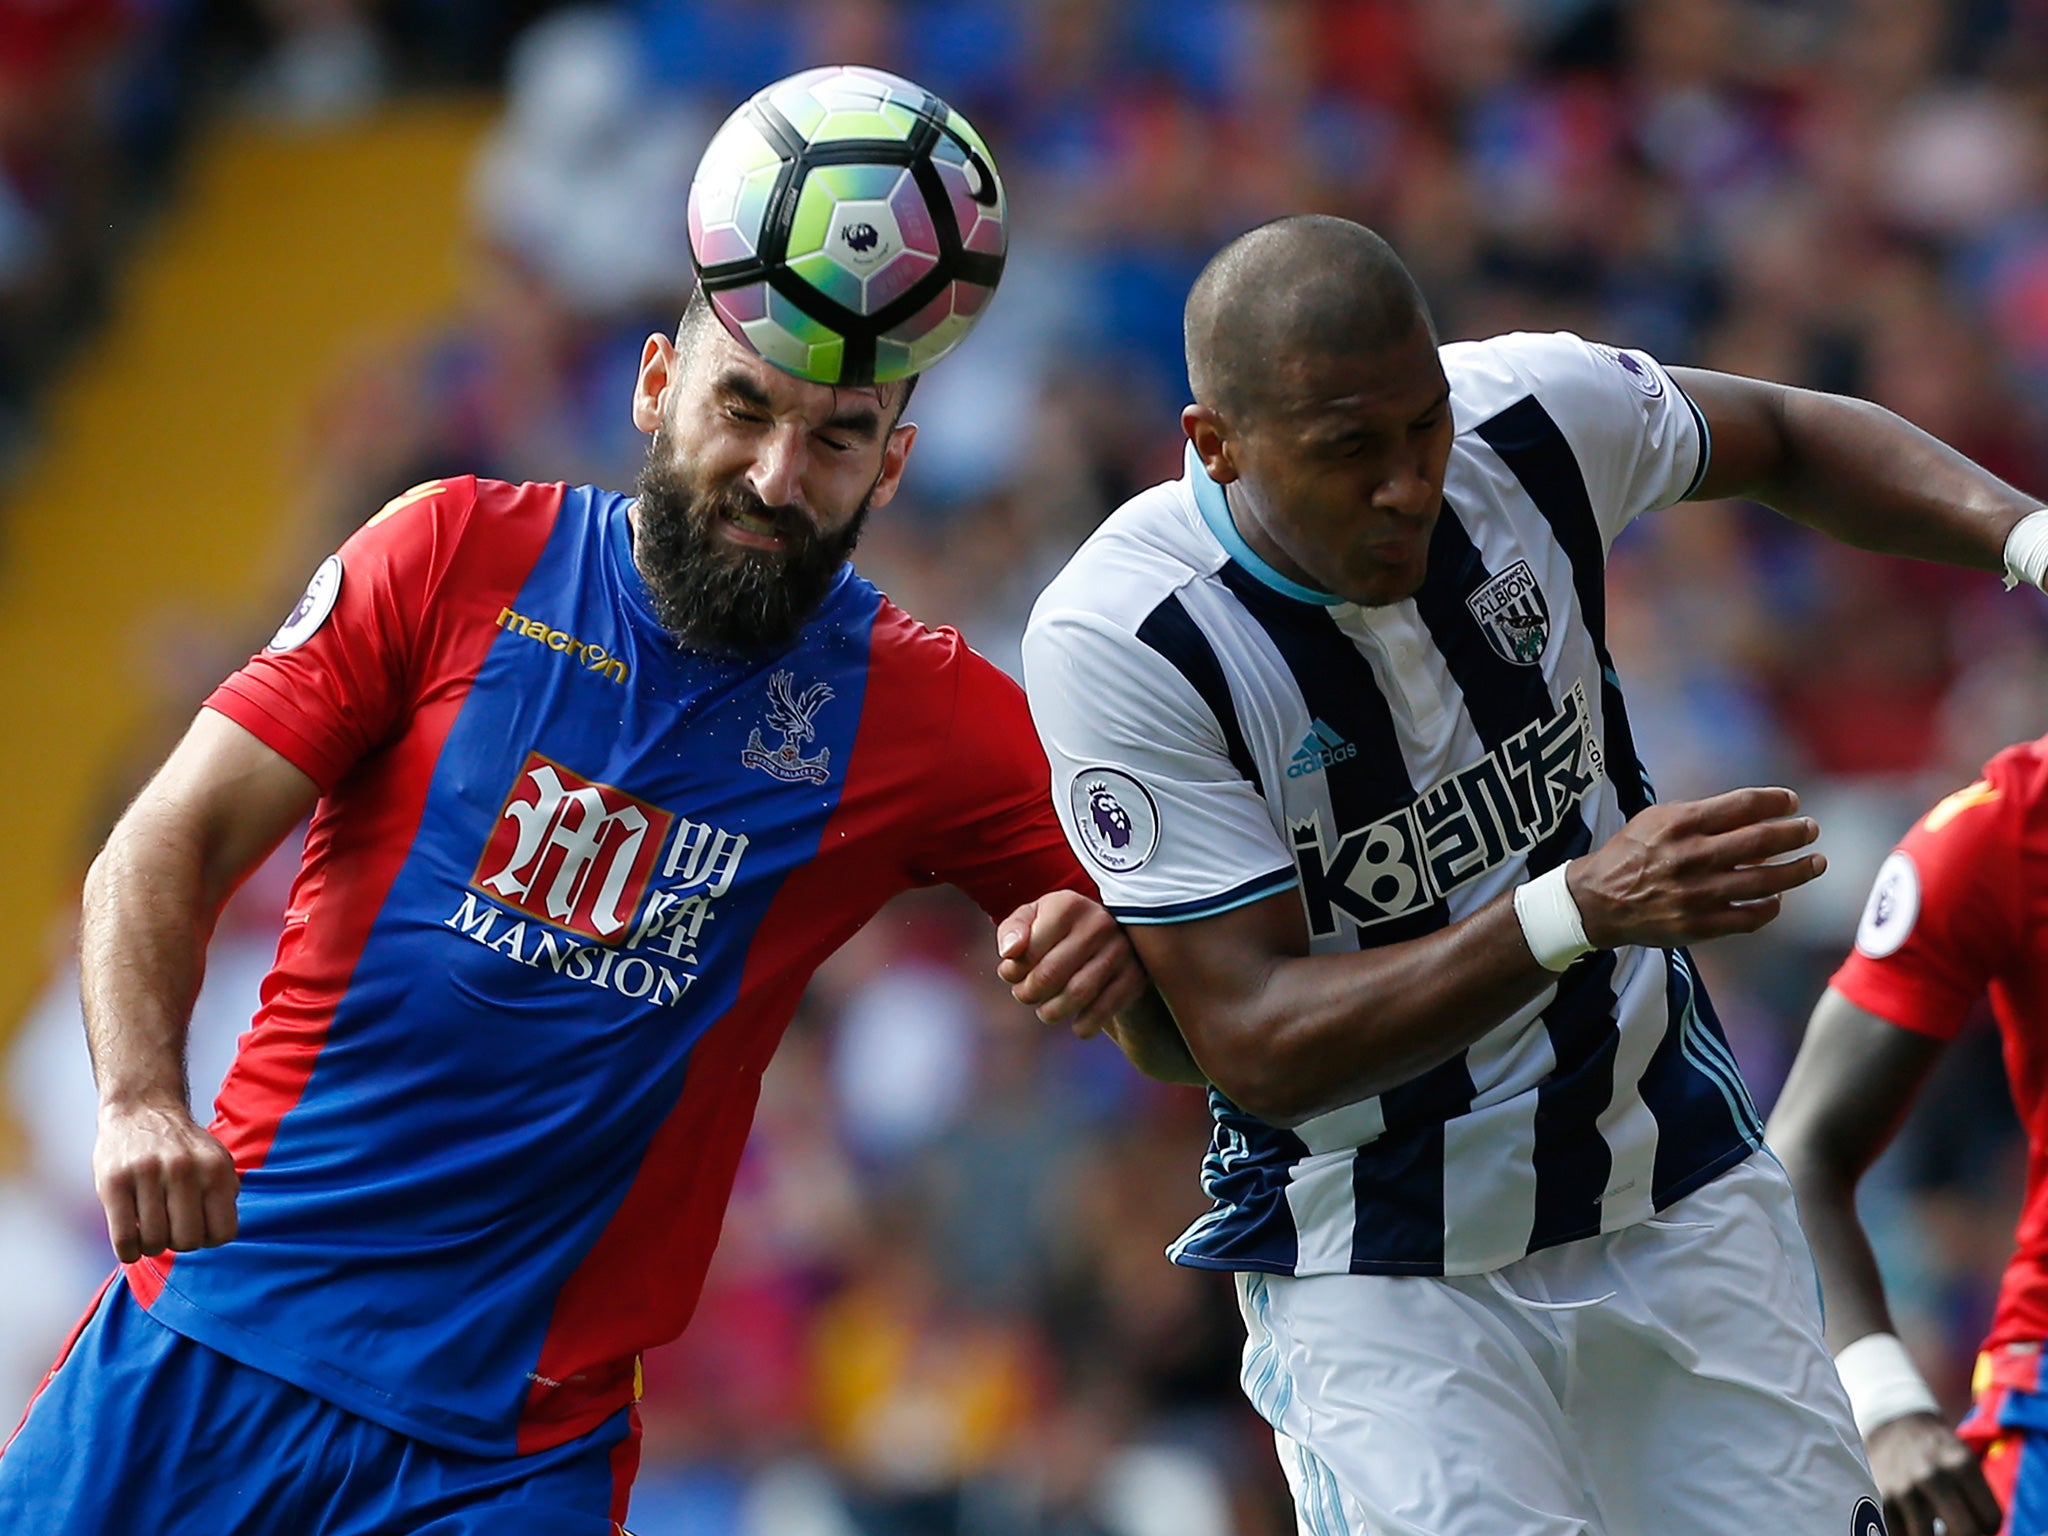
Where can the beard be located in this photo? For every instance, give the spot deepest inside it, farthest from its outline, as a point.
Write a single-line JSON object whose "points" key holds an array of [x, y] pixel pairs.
{"points": [[712, 594]]}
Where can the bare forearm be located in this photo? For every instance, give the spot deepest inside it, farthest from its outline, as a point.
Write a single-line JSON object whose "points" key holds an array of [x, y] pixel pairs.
{"points": [[163, 1182], [1842, 1101], [142, 954], [220, 803], [1288, 1035], [1850, 1284], [1328, 1030]]}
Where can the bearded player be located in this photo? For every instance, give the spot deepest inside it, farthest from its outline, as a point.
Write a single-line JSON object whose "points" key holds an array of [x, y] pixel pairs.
{"points": [[596, 782], [1958, 910]]}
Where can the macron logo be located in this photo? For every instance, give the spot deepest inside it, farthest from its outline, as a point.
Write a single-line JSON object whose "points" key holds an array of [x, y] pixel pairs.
{"points": [[1321, 747]]}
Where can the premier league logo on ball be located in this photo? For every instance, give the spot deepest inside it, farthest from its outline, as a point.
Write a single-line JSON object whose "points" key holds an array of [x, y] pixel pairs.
{"points": [[848, 225]]}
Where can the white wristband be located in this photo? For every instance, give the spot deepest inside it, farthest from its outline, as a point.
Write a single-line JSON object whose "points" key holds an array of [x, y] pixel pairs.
{"points": [[1550, 920], [1882, 1383], [2026, 551]]}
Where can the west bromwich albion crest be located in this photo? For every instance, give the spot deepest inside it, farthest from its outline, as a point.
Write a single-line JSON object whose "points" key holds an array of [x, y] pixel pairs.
{"points": [[1511, 611]]}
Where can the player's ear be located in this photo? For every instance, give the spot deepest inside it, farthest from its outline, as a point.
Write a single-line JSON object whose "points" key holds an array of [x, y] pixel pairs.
{"points": [[895, 455], [1210, 434], [657, 378]]}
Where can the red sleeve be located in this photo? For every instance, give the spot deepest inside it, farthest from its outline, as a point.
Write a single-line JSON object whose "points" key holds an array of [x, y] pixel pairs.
{"points": [[996, 836], [339, 677], [1940, 921]]}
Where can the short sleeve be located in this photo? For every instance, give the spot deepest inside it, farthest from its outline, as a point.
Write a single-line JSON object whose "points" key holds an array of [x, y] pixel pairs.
{"points": [[1640, 441], [1142, 778], [337, 679], [1937, 926], [998, 839]]}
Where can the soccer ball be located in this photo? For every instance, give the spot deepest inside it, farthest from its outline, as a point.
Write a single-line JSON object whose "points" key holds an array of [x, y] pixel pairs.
{"points": [[847, 225]]}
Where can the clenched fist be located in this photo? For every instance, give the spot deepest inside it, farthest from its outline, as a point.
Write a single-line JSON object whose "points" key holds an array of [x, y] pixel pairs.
{"points": [[1068, 960], [165, 1181]]}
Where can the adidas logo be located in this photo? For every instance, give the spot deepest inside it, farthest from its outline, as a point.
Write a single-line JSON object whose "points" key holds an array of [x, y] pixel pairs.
{"points": [[1318, 750]]}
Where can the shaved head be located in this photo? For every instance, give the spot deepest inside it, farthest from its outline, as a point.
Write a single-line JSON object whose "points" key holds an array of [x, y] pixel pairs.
{"points": [[1321, 405], [1299, 289]]}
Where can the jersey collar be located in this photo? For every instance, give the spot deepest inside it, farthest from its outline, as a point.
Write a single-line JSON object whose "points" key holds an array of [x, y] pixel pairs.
{"points": [[1215, 510]]}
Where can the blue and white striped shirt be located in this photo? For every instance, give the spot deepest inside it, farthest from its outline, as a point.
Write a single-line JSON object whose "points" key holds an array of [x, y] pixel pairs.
{"points": [[1219, 734]]}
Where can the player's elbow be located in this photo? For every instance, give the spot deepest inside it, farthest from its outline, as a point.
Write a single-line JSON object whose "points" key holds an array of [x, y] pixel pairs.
{"points": [[1262, 1082], [129, 854], [98, 880], [1795, 1153], [1819, 1166], [1164, 1064], [1277, 1109]]}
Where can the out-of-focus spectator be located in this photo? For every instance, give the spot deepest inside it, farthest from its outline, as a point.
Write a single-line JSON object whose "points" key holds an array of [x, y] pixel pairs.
{"points": [[59, 182], [325, 62]]}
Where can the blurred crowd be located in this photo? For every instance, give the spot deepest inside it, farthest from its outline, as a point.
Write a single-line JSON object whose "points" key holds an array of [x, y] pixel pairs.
{"points": [[941, 1305]]}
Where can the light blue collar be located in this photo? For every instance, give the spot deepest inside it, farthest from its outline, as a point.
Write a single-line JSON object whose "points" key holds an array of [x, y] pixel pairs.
{"points": [[1215, 509]]}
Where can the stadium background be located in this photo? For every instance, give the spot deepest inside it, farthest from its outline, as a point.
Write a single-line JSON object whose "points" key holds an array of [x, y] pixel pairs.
{"points": [[264, 264]]}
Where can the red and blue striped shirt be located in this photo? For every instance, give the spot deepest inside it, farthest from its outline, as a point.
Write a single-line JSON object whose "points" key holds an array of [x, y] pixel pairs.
{"points": [[560, 896]]}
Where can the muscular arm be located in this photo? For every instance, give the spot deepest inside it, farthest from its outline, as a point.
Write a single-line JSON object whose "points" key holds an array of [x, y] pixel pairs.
{"points": [[1855, 1077], [220, 803], [1288, 1034], [1852, 470]]}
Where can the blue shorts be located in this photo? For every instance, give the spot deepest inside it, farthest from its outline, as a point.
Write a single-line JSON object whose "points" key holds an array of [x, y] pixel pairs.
{"points": [[138, 1428]]}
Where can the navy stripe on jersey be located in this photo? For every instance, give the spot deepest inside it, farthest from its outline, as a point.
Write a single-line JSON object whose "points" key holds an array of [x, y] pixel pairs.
{"points": [[1338, 687], [1572, 1159], [1692, 1087], [1397, 1220], [1402, 1169], [1501, 696], [1171, 631], [1695, 1090], [1245, 1173], [1707, 1043], [1533, 447], [1699, 425], [1251, 890]]}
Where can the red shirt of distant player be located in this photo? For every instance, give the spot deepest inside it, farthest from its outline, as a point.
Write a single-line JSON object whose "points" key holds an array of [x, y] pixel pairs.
{"points": [[1961, 906]]}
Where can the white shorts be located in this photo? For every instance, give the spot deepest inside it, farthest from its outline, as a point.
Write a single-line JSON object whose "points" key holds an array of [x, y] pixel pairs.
{"points": [[1663, 1380]]}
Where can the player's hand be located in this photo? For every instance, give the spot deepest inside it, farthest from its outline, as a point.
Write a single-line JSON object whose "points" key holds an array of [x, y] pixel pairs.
{"points": [[1695, 869], [1069, 961], [165, 1181], [1929, 1481]]}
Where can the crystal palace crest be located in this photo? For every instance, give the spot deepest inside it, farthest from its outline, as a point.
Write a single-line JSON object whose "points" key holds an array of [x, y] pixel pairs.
{"points": [[791, 713]]}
